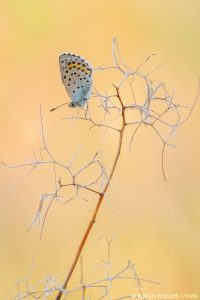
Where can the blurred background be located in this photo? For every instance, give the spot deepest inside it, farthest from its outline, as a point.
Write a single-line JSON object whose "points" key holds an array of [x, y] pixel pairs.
{"points": [[154, 223]]}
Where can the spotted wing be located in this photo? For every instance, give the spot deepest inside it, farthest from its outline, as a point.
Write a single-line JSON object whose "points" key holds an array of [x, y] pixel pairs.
{"points": [[76, 75]]}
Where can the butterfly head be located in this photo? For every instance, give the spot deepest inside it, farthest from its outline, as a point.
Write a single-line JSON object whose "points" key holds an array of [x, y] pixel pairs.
{"points": [[71, 104]]}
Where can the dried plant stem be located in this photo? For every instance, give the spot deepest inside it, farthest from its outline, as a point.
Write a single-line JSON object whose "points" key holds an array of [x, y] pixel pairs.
{"points": [[156, 118], [100, 200]]}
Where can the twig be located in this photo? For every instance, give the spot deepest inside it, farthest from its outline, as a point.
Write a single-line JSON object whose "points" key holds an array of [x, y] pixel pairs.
{"points": [[101, 198], [112, 108]]}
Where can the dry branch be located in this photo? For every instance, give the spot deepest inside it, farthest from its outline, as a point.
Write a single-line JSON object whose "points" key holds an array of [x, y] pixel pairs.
{"points": [[113, 109]]}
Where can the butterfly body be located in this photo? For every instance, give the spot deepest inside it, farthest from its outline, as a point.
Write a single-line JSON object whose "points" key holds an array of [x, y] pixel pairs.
{"points": [[76, 75]]}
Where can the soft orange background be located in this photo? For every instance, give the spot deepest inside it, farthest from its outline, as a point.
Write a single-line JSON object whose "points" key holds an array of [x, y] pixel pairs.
{"points": [[155, 224]]}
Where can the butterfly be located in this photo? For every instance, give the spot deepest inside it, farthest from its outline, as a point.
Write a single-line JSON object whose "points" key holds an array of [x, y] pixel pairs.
{"points": [[76, 74]]}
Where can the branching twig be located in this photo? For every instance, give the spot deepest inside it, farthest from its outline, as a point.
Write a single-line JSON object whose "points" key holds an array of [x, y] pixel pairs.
{"points": [[101, 198], [113, 109], [102, 286]]}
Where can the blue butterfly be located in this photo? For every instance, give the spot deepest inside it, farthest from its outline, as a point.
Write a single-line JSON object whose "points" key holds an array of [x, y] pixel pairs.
{"points": [[76, 75]]}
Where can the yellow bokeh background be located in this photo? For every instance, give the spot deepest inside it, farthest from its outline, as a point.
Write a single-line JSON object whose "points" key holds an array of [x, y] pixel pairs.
{"points": [[154, 223]]}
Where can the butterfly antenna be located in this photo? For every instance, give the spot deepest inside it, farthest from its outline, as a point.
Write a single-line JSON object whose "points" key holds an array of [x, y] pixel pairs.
{"points": [[58, 107]]}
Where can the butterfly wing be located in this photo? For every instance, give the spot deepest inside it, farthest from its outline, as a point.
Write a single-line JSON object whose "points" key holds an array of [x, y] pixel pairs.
{"points": [[76, 75]]}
